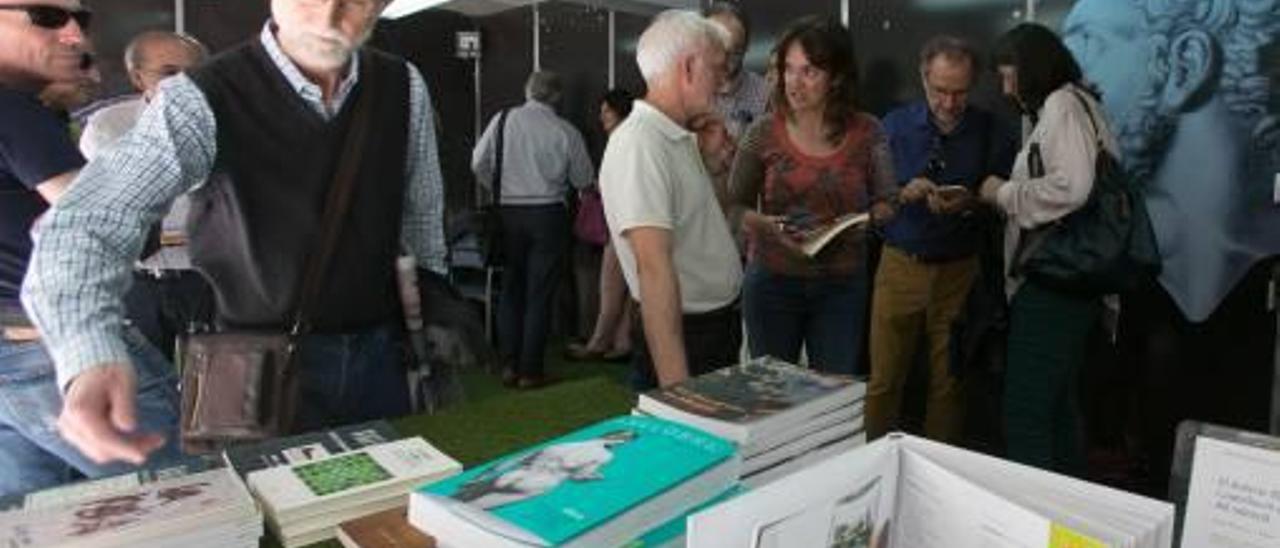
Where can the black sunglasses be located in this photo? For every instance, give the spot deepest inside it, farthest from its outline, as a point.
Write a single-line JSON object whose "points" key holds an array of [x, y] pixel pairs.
{"points": [[53, 17]]}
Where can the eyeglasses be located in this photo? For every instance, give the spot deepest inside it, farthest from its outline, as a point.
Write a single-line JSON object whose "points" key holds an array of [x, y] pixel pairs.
{"points": [[53, 17]]}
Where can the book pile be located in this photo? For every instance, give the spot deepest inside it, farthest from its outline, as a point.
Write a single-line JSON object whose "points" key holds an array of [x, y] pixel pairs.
{"points": [[385, 529], [192, 505], [906, 491], [783, 417], [604, 485], [306, 501]]}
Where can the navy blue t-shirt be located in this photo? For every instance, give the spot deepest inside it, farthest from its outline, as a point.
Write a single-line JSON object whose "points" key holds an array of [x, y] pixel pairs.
{"points": [[35, 146], [979, 146]]}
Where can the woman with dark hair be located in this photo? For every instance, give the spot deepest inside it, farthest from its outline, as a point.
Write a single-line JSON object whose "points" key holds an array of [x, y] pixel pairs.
{"points": [[816, 159], [1052, 177], [611, 338]]}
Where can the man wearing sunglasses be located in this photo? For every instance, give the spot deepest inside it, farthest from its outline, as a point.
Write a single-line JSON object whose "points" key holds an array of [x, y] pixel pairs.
{"points": [[255, 134], [44, 46]]}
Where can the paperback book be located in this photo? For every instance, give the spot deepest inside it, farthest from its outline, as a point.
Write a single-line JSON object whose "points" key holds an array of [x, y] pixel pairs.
{"points": [[761, 399], [305, 502], [603, 485], [308, 447], [90, 489], [210, 508]]}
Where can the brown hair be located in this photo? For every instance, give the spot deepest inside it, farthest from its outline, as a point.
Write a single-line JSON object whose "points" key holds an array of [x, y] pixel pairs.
{"points": [[829, 47]]}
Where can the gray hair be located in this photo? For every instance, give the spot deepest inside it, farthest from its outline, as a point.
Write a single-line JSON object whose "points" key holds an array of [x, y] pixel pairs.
{"points": [[672, 34], [133, 53], [543, 86], [951, 47]]}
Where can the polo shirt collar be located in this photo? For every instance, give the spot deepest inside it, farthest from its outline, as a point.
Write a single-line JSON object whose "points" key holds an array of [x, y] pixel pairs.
{"points": [[660, 121]]}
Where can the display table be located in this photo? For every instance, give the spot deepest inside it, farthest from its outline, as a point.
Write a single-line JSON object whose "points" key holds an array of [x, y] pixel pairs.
{"points": [[494, 424]]}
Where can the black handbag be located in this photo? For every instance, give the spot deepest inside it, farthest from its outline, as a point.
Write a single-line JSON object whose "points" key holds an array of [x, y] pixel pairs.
{"points": [[491, 215], [242, 386], [1106, 246]]}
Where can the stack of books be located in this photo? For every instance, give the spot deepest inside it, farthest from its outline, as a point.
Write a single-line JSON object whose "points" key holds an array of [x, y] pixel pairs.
{"points": [[192, 505], [306, 501], [608, 484], [782, 416]]}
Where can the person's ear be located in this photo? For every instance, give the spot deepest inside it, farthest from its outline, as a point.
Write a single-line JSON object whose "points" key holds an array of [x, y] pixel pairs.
{"points": [[135, 78], [1194, 60]]}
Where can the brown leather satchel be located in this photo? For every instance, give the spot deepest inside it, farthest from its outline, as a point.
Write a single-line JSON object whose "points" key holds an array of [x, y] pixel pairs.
{"points": [[240, 386]]}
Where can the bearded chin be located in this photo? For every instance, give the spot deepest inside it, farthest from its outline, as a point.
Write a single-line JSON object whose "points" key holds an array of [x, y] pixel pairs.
{"points": [[1143, 137]]}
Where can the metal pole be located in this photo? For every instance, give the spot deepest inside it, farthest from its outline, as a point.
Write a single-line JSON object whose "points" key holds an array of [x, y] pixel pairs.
{"points": [[1275, 368], [1031, 10], [537, 41], [613, 52], [844, 13], [180, 16]]}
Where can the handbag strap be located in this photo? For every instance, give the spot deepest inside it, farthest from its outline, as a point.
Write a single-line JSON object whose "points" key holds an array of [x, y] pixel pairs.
{"points": [[338, 199], [497, 164]]}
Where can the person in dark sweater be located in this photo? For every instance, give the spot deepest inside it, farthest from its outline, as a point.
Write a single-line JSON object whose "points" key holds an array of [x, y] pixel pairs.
{"points": [[255, 134]]}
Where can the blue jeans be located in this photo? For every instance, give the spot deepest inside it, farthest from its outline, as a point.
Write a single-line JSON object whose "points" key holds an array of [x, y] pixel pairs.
{"points": [[827, 316], [351, 377], [32, 453]]}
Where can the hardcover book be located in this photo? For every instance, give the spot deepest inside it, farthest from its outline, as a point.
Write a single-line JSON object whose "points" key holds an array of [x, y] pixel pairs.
{"points": [[908, 492]]}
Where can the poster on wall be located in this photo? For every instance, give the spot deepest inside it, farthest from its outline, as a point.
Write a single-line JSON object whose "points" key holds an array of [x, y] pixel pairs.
{"points": [[1192, 90]]}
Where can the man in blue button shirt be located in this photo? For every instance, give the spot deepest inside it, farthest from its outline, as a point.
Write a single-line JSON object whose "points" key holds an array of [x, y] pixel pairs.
{"points": [[942, 149]]}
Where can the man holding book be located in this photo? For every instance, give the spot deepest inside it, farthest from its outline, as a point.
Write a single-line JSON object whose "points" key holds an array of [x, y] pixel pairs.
{"points": [[942, 149], [677, 255]]}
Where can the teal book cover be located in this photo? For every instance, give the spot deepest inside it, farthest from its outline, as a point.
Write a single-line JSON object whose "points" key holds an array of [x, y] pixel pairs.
{"points": [[572, 484], [669, 531]]}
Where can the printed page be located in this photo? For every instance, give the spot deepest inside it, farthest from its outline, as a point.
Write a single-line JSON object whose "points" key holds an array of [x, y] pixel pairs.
{"points": [[844, 501], [937, 508], [1235, 496]]}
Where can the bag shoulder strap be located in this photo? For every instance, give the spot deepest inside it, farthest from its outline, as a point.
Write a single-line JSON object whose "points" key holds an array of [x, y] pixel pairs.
{"points": [[1088, 112], [338, 199], [497, 164]]}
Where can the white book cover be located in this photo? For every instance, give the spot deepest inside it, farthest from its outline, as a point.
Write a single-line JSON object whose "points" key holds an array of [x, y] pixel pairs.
{"points": [[320, 486], [1234, 498], [902, 491], [183, 507]]}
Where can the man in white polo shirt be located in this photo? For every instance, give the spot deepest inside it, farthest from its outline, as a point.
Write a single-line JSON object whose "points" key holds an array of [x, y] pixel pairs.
{"points": [[675, 247]]}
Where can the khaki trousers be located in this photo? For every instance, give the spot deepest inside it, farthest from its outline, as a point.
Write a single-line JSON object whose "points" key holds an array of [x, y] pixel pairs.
{"points": [[915, 303]]}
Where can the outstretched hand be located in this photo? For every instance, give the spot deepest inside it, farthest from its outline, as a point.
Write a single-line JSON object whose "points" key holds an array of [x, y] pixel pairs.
{"points": [[99, 416]]}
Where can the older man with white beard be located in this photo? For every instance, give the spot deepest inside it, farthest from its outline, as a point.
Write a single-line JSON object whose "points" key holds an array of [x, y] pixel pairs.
{"points": [[264, 124]]}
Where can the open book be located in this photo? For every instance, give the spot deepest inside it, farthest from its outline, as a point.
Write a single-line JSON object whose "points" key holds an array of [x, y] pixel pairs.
{"points": [[903, 491], [813, 240]]}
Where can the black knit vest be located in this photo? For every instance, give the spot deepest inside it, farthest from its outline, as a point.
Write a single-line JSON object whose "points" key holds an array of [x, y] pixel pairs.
{"points": [[258, 217]]}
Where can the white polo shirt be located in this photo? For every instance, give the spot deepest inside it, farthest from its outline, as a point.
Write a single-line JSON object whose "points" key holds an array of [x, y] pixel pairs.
{"points": [[652, 176]]}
